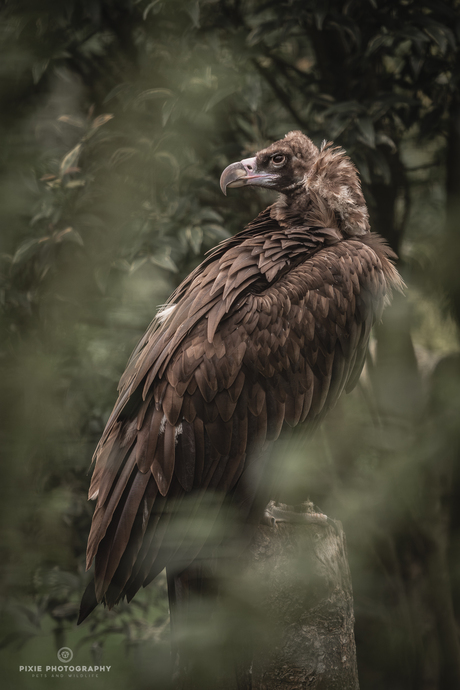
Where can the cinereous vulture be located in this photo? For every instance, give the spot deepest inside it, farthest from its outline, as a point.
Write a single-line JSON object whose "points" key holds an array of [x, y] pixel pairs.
{"points": [[266, 333]]}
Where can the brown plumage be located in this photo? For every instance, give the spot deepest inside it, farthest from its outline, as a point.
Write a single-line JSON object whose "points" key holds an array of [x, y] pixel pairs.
{"points": [[267, 332]]}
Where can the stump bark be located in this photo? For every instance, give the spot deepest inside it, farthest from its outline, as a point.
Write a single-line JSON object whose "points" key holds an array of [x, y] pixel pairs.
{"points": [[294, 598], [303, 573]]}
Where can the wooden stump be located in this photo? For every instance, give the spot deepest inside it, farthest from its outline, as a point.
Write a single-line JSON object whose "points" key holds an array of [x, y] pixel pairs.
{"points": [[305, 580], [292, 593]]}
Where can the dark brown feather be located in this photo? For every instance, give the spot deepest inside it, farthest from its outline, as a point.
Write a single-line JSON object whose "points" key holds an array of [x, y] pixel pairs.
{"points": [[267, 331]]}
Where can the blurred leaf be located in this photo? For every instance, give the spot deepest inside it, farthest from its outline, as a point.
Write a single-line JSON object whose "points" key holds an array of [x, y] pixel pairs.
{"points": [[72, 184], [442, 35], [101, 120], [195, 237], [364, 171], [72, 120], [165, 261], [381, 138], [137, 263], [193, 10], [209, 214], [219, 96], [337, 125], [69, 235], [320, 14], [121, 155], [379, 41], [172, 160], [70, 160], [417, 64], [380, 166], [168, 107], [350, 107], [118, 90], [253, 92], [122, 265], [367, 128], [149, 7], [154, 94], [101, 275], [247, 127], [215, 232], [413, 33], [68, 610], [38, 69], [25, 251]]}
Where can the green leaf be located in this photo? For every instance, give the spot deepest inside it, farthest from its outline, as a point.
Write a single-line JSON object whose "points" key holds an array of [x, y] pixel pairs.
{"points": [[25, 251], [71, 120], [195, 237], [70, 160], [381, 138], [320, 13], [381, 167], [338, 125], [193, 10], [38, 70], [101, 276], [364, 171], [164, 261], [379, 41], [101, 120], [121, 265], [149, 7], [154, 94], [247, 127], [209, 214], [46, 211], [118, 90], [166, 156], [349, 107], [71, 184], [168, 107], [219, 96], [215, 232], [137, 263], [366, 126], [69, 235], [121, 155]]}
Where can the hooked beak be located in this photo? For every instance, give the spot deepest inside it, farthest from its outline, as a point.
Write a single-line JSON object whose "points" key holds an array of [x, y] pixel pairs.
{"points": [[245, 173]]}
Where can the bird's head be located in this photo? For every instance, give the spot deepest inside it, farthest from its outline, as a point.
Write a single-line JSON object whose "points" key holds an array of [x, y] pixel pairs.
{"points": [[319, 185], [282, 166]]}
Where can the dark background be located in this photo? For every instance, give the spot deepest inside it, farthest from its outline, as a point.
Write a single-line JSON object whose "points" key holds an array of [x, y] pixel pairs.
{"points": [[117, 118]]}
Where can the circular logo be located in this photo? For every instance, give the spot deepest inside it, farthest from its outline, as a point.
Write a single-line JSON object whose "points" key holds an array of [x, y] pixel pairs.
{"points": [[65, 654]]}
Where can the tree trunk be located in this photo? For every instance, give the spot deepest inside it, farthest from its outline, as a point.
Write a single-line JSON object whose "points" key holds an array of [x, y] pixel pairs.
{"points": [[304, 576]]}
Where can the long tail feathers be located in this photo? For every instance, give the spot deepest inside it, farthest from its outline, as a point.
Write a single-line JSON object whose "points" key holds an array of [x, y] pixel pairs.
{"points": [[88, 602]]}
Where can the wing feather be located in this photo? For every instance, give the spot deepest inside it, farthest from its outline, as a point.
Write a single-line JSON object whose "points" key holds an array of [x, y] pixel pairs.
{"points": [[267, 331]]}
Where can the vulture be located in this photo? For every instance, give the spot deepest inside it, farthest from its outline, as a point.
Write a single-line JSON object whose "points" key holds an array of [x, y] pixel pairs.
{"points": [[265, 333]]}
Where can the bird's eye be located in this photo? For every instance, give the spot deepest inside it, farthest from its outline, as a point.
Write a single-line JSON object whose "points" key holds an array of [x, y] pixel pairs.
{"points": [[278, 160]]}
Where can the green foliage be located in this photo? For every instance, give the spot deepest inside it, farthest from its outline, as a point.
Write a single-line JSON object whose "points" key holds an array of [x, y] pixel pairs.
{"points": [[117, 119]]}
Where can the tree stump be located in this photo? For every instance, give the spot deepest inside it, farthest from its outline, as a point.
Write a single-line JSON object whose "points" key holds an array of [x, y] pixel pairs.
{"points": [[305, 582], [282, 620]]}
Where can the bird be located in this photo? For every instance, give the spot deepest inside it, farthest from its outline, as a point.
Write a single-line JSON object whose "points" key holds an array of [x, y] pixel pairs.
{"points": [[265, 334]]}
